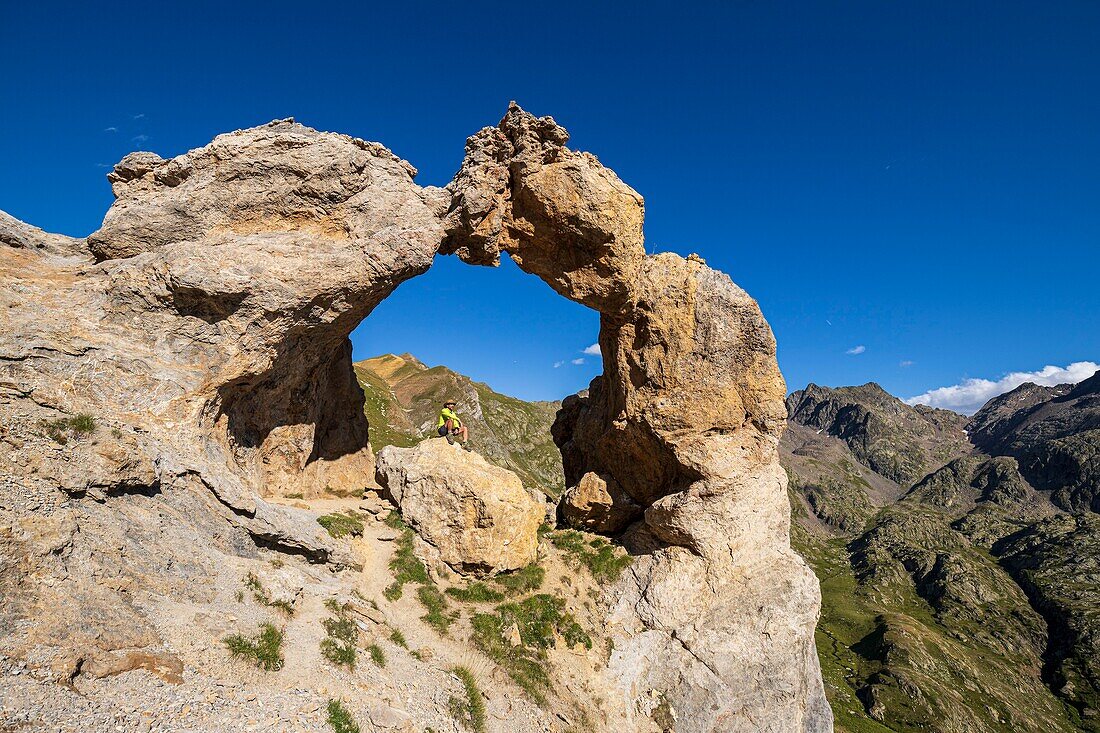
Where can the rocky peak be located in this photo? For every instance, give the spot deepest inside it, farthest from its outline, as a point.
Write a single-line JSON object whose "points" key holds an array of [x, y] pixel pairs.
{"points": [[897, 440]]}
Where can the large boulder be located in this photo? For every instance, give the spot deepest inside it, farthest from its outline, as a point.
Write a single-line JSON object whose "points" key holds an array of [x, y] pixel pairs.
{"points": [[596, 503], [477, 515]]}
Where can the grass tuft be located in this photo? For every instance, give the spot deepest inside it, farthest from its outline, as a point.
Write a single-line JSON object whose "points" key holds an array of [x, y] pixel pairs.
{"points": [[62, 429], [339, 718], [341, 634], [393, 520], [406, 566], [469, 712], [435, 604], [264, 650], [539, 619], [597, 554], [398, 638], [260, 594], [341, 525], [377, 655], [476, 593], [523, 580]]}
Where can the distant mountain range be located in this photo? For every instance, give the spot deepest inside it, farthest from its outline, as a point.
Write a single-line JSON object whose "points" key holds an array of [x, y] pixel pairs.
{"points": [[959, 557]]}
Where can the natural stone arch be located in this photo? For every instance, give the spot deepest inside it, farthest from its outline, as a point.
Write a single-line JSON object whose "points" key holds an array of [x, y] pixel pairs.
{"points": [[211, 312]]}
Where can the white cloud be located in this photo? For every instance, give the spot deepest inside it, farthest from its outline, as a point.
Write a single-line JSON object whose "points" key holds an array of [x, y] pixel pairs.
{"points": [[856, 350], [969, 395], [140, 138], [905, 363], [110, 129], [593, 350], [558, 364], [578, 362], [139, 116]]}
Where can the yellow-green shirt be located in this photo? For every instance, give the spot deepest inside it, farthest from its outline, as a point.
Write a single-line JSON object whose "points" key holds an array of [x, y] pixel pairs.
{"points": [[448, 414]]}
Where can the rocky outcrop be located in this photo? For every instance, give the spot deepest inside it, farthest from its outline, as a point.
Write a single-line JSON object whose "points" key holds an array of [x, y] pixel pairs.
{"points": [[209, 317], [476, 515]]}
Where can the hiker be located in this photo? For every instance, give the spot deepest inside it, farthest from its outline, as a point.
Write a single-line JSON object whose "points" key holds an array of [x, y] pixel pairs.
{"points": [[449, 425]]}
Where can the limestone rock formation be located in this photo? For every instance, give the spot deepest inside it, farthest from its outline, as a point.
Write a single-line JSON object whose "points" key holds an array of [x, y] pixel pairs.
{"points": [[206, 325], [686, 419], [477, 515]]}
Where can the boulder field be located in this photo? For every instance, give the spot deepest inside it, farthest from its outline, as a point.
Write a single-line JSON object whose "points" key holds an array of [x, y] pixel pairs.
{"points": [[205, 328]]}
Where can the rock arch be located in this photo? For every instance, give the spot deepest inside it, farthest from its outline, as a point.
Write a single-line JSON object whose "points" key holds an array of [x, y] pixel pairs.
{"points": [[211, 314]]}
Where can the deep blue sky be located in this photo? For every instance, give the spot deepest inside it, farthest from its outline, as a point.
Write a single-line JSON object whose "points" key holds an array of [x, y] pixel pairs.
{"points": [[923, 176]]}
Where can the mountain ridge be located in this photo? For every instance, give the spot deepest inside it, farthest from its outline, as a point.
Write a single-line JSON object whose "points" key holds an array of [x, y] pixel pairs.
{"points": [[951, 578]]}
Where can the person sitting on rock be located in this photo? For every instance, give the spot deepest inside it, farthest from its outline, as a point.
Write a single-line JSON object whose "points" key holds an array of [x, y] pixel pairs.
{"points": [[449, 425]]}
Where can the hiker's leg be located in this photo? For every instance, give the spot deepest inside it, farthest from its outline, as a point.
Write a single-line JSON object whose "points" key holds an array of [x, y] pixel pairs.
{"points": [[463, 434]]}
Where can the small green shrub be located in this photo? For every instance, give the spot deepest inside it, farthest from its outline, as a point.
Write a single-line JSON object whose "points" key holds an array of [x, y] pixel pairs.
{"points": [[435, 604], [260, 594], [597, 554], [264, 650], [537, 618], [297, 495], [341, 634], [341, 525], [339, 718], [64, 428], [476, 593], [377, 655], [82, 424], [471, 711], [405, 565], [399, 639]]}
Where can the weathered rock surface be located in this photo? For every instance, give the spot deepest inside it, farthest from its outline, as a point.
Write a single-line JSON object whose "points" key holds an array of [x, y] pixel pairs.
{"points": [[686, 419], [477, 515], [209, 318]]}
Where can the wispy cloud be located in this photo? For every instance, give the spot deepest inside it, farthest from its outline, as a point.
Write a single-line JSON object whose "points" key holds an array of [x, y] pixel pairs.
{"points": [[140, 138], [856, 350], [139, 116], [593, 350], [969, 395], [558, 364], [577, 362], [905, 363], [110, 129]]}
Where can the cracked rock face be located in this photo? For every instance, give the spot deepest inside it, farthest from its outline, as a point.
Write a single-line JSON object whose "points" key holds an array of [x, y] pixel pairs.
{"points": [[206, 325]]}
